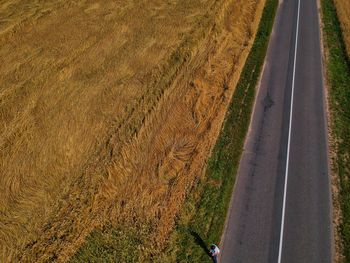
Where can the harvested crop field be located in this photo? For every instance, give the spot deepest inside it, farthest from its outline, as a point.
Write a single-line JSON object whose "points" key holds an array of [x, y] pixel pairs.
{"points": [[343, 10], [108, 113]]}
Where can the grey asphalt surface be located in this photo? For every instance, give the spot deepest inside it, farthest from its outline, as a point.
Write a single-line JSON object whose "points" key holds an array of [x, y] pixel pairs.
{"points": [[253, 227]]}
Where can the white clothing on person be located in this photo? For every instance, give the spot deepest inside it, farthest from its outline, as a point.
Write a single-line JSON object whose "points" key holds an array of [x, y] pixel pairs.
{"points": [[215, 251]]}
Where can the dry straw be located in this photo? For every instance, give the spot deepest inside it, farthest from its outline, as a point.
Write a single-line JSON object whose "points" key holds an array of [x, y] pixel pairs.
{"points": [[108, 112]]}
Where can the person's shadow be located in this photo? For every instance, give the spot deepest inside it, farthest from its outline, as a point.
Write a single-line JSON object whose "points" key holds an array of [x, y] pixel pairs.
{"points": [[199, 241]]}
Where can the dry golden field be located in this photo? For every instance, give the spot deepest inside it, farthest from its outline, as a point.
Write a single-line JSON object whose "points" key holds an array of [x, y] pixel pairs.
{"points": [[108, 112], [343, 10]]}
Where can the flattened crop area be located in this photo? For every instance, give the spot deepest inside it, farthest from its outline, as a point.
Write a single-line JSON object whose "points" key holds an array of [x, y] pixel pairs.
{"points": [[108, 112], [343, 11]]}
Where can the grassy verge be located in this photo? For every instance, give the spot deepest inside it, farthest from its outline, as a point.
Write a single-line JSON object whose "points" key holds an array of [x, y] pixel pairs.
{"points": [[111, 244], [202, 220], [338, 74]]}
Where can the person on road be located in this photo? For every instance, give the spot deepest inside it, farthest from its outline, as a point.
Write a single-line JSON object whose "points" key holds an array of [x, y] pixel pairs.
{"points": [[214, 252]]}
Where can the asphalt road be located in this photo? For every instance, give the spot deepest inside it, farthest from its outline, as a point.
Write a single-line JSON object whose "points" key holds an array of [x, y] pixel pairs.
{"points": [[281, 205]]}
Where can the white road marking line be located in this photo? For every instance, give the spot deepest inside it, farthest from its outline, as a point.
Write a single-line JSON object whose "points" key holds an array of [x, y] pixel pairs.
{"points": [[289, 139]]}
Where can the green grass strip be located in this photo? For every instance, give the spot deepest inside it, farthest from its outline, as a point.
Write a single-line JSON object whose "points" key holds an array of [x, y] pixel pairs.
{"points": [[202, 219], [338, 73]]}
